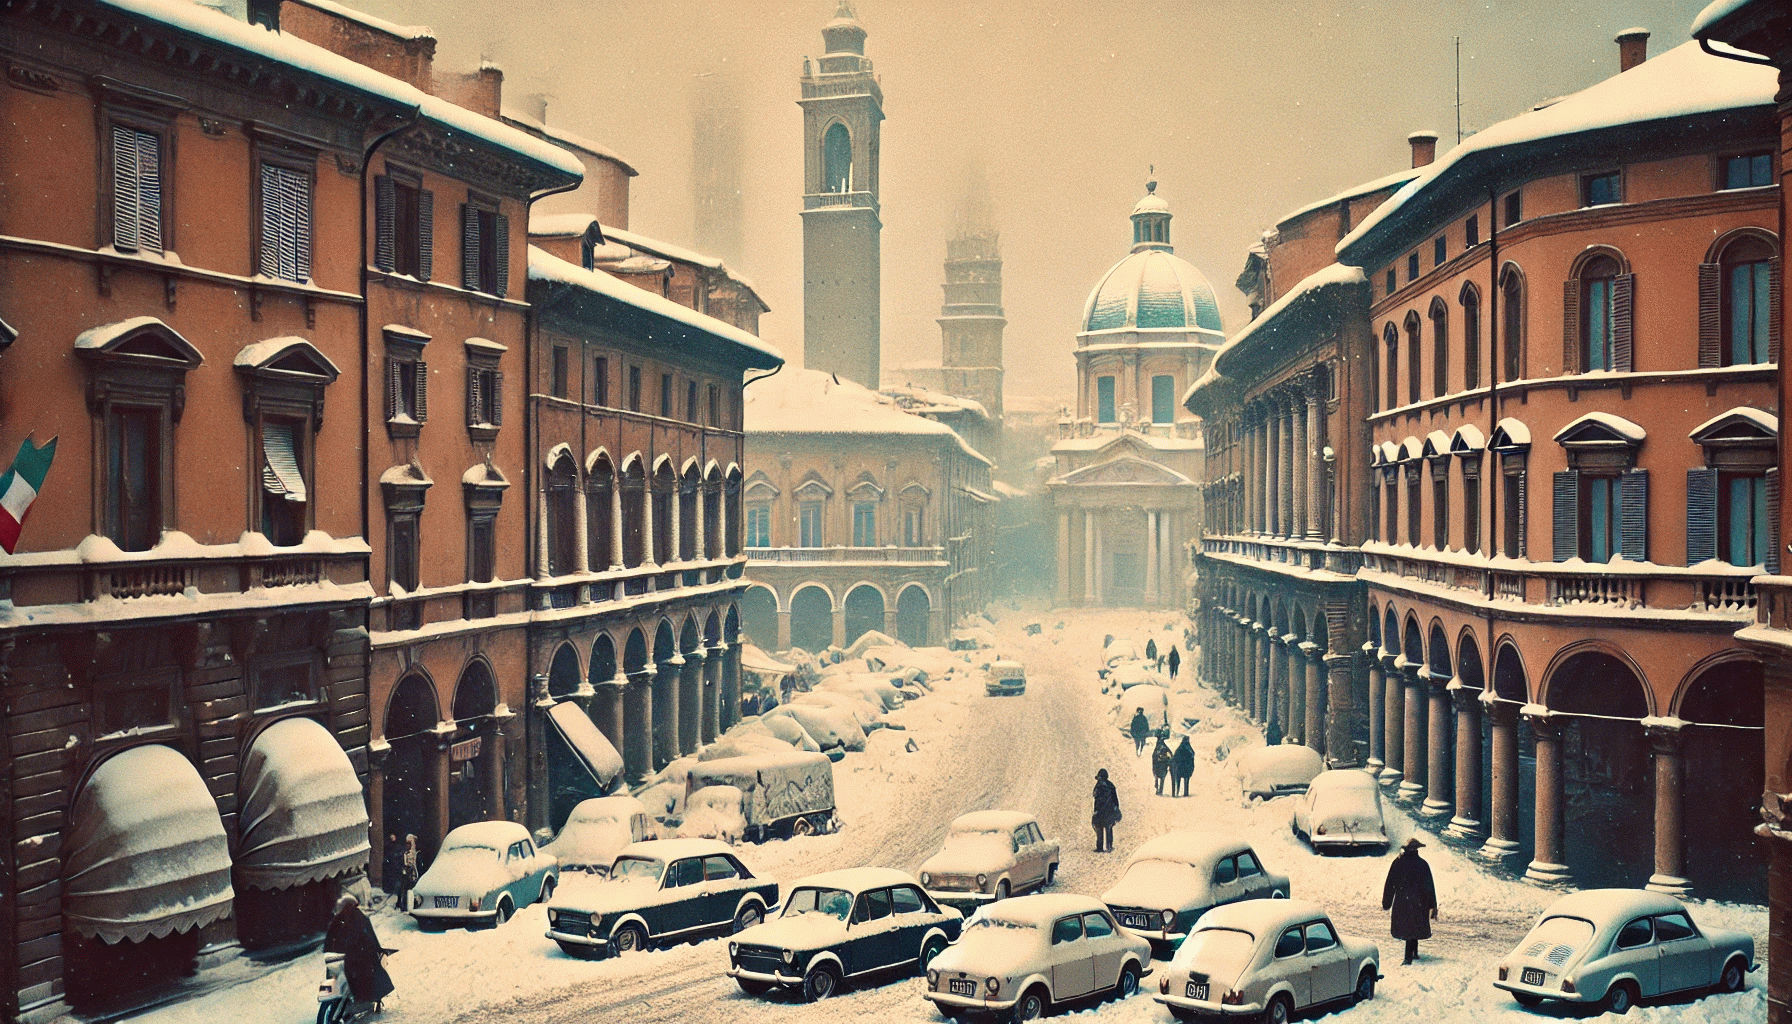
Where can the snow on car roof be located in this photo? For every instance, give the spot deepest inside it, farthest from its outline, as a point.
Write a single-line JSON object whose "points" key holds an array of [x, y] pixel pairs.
{"points": [[1262, 916], [1042, 908], [673, 849], [1344, 778], [602, 807], [1188, 847], [856, 879], [1601, 905], [495, 834], [990, 821]]}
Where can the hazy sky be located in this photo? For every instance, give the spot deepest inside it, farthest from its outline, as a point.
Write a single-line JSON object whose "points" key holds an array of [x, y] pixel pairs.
{"points": [[1247, 109]]}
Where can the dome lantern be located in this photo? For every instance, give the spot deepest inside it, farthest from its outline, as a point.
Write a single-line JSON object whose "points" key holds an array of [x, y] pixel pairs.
{"points": [[1151, 222], [1152, 288], [844, 34]]}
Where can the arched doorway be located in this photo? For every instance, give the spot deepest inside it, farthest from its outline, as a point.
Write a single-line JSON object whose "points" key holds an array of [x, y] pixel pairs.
{"points": [[759, 616], [811, 619], [634, 513], [568, 780], [1608, 793], [665, 696], [1722, 765], [637, 708], [864, 612], [408, 796], [475, 768], [914, 616], [600, 513], [1518, 777]]}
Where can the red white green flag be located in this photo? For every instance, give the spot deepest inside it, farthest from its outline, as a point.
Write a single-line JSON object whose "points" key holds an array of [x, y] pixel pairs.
{"points": [[19, 487]]}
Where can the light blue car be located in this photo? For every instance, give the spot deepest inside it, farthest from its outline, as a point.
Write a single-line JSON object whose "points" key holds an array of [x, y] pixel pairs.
{"points": [[481, 875]]}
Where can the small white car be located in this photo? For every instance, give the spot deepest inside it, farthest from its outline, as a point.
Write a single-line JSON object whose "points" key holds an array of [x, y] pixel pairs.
{"points": [[1021, 957], [483, 872], [1275, 771], [1006, 678], [989, 855], [1267, 960], [1341, 811], [1612, 947], [1172, 880], [596, 830]]}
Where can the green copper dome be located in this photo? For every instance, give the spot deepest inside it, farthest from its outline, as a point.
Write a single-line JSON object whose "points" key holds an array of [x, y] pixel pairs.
{"points": [[1152, 288]]}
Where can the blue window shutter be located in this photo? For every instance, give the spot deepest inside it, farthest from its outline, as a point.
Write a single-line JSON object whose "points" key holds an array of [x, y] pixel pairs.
{"points": [[502, 275], [149, 186], [1634, 514], [1773, 520], [1567, 515], [1624, 322], [1571, 353], [125, 212], [1774, 328], [1701, 515], [469, 248], [1710, 315]]}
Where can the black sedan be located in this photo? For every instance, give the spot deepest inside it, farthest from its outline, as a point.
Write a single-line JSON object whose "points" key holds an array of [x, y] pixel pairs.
{"points": [[661, 890]]}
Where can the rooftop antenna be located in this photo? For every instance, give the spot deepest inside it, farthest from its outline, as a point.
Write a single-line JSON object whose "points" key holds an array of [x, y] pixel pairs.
{"points": [[1459, 90]]}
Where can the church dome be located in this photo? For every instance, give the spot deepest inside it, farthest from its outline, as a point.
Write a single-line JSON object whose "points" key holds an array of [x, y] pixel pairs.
{"points": [[1152, 288]]}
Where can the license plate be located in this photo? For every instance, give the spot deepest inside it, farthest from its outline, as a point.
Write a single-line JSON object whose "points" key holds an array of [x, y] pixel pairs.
{"points": [[965, 987], [1136, 920], [1532, 976], [1196, 991], [447, 902]]}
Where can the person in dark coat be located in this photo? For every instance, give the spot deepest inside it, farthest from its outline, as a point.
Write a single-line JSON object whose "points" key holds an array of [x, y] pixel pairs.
{"points": [[1107, 812], [1160, 763], [407, 872], [1411, 896], [351, 934], [1151, 650], [1175, 662], [1141, 728], [1182, 768]]}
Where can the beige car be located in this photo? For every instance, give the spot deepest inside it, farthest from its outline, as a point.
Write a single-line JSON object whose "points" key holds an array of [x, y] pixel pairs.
{"points": [[987, 856], [1267, 960]]}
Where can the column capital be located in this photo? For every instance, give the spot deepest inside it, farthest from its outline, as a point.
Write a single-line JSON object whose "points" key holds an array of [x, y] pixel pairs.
{"points": [[1439, 683], [616, 682], [1664, 735], [1499, 712], [1545, 723], [1290, 640], [1466, 698], [1312, 650]]}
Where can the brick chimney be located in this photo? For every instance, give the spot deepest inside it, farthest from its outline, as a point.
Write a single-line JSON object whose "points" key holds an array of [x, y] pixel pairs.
{"points": [[1633, 48], [1424, 147], [480, 91], [404, 52]]}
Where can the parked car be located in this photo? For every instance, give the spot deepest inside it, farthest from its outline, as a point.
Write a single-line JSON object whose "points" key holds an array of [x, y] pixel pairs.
{"points": [[1022, 956], [1006, 678], [1267, 960], [598, 829], [989, 855], [1341, 811], [482, 873], [1279, 770], [842, 925], [658, 891], [783, 793], [1174, 879], [1611, 947]]}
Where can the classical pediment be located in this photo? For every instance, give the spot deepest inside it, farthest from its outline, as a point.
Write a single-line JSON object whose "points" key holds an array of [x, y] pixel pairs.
{"points": [[1126, 469]]}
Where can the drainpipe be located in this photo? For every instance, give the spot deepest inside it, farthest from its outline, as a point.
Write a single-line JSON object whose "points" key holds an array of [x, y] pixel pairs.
{"points": [[1491, 470], [410, 121], [532, 443]]}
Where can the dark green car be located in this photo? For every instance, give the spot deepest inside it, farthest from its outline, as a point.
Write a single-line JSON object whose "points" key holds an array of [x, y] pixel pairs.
{"points": [[661, 890]]}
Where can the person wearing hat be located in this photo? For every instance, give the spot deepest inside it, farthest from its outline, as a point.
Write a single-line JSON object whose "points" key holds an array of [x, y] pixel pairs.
{"points": [[1107, 812], [352, 935], [1411, 896]]}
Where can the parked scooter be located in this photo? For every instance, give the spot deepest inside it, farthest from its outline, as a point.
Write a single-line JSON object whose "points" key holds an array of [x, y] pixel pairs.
{"points": [[336, 1002]]}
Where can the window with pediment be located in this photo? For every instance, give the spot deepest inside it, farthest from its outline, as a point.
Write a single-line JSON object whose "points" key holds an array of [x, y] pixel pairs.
{"points": [[136, 393], [284, 380], [1731, 501], [1601, 501]]}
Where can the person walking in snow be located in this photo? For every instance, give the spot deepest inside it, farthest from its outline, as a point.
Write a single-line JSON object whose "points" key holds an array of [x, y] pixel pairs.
{"points": [[1409, 893], [1141, 728], [1151, 650], [1160, 762], [1182, 768], [1175, 662], [1107, 812]]}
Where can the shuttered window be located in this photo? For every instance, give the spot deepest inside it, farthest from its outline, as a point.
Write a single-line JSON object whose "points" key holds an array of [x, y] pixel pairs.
{"points": [[485, 397], [809, 525], [1512, 326], [1729, 516], [484, 249], [285, 223], [284, 493], [1598, 516], [404, 226], [864, 524], [136, 189], [759, 526], [1739, 302], [1471, 340], [407, 390], [1597, 315]]}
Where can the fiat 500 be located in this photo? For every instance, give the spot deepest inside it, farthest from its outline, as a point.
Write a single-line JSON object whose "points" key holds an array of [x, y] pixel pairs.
{"points": [[481, 874], [1611, 947], [1341, 811], [989, 855], [1268, 960], [1174, 879], [1022, 956], [1005, 678], [657, 891]]}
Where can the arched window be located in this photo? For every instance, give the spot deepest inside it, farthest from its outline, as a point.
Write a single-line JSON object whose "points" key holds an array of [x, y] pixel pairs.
{"points": [[1597, 289], [1512, 324], [1413, 393], [1746, 306], [1440, 348], [1390, 337], [1471, 338], [836, 159]]}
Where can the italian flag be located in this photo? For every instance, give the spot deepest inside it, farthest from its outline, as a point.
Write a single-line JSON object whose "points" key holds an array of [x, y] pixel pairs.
{"points": [[19, 487]]}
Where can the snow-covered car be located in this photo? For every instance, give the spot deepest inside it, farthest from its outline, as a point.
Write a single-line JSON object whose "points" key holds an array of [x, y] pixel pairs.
{"points": [[831, 728], [874, 689], [658, 891], [1020, 957], [714, 812], [1267, 960], [1341, 811], [482, 873], [1006, 678], [782, 793], [1134, 673], [971, 638], [1153, 700], [843, 925], [1172, 880], [1279, 770], [989, 855], [596, 830], [1612, 947]]}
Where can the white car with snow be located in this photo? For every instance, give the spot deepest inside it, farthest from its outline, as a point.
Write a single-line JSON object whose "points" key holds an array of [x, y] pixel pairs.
{"points": [[1022, 957], [1267, 960], [481, 874], [1341, 811], [840, 926], [1279, 770], [782, 793], [1611, 947], [989, 855], [661, 890], [1172, 880], [1006, 678], [598, 829]]}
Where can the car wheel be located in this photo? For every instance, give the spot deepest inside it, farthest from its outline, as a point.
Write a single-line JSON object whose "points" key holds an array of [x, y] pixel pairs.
{"points": [[802, 827], [1002, 889], [1127, 985], [1030, 1006], [547, 890], [1184, 1015], [933, 947], [822, 981], [1619, 998], [1732, 978], [1527, 1000], [503, 911], [1279, 894], [748, 916], [1365, 985], [1279, 1011], [628, 939], [753, 988]]}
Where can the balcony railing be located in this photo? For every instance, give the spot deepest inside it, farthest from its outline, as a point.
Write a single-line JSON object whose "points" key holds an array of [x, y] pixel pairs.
{"points": [[176, 566], [906, 555], [1627, 586], [1284, 551], [1607, 591]]}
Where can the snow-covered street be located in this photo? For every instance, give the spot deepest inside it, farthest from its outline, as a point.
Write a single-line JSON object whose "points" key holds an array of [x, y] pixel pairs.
{"points": [[1037, 752]]}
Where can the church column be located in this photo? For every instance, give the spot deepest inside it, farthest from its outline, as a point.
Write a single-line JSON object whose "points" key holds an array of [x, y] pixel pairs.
{"points": [[1313, 732], [1412, 787], [1439, 791], [616, 557], [1150, 596], [1315, 458], [1340, 710], [1670, 834], [583, 544], [647, 524], [675, 550], [698, 549], [543, 565], [1546, 865], [1101, 590], [1088, 558], [1272, 447], [1252, 477], [1063, 557], [1300, 464], [1393, 709]]}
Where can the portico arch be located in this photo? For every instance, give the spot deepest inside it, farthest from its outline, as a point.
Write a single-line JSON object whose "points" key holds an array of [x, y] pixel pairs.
{"points": [[1597, 699], [759, 614], [914, 615], [1722, 762], [864, 611], [812, 618]]}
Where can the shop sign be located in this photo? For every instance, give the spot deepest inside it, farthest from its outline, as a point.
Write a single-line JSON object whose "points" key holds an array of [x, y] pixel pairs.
{"points": [[465, 750]]}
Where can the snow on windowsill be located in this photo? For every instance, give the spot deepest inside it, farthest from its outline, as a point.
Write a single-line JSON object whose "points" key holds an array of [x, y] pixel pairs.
{"points": [[177, 546]]}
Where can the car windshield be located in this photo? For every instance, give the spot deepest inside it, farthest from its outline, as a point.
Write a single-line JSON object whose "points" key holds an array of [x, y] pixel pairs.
{"points": [[1573, 932], [1173, 879], [836, 903], [1345, 801], [1222, 953], [989, 845], [644, 869]]}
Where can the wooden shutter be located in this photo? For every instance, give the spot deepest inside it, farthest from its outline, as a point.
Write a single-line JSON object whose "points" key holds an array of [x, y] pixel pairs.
{"points": [[394, 381], [501, 279], [385, 232], [299, 192], [1773, 521], [149, 191], [1524, 514], [1567, 515], [268, 258], [1633, 512], [1571, 326], [475, 407], [496, 398], [421, 412], [469, 248], [1624, 322], [125, 212], [426, 234], [1701, 515], [1711, 307], [1774, 287]]}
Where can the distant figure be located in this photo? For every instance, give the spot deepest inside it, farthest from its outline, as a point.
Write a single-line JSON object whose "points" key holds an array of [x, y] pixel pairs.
{"points": [[1141, 728], [1151, 650], [407, 873], [1411, 896], [1182, 768], [351, 934], [1107, 812], [1175, 662], [1160, 763]]}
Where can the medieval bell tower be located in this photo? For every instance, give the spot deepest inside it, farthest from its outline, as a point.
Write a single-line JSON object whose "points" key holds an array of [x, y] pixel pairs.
{"points": [[842, 108]]}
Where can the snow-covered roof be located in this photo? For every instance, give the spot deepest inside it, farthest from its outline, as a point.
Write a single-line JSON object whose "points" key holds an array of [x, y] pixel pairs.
{"points": [[1200, 849], [1437, 443], [1618, 425], [410, 474], [1602, 906], [1342, 778], [1468, 438], [674, 849], [857, 879], [1715, 12], [559, 225], [496, 835], [990, 821], [1683, 81], [805, 401], [1517, 433], [535, 125], [939, 401], [363, 18], [1104, 437], [551, 269], [1262, 917], [1041, 909], [1332, 276], [679, 254], [100, 337], [1007, 490], [1767, 421], [1399, 177], [261, 353], [290, 51]]}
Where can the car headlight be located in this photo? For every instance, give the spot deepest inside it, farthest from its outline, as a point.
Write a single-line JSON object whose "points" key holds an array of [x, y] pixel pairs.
{"points": [[982, 880], [933, 978], [733, 948], [994, 985], [553, 918], [1169, 918], [789, 955], [473, 903], [926, 879]]}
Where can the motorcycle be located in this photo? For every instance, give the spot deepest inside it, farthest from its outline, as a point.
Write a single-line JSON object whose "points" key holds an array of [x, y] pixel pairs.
{"points": [[336, 1002]]}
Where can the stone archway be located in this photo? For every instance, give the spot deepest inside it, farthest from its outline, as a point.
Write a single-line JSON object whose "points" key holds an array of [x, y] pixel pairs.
{"points": [[811, 619], [914, 616], [410, 797], [864, 612], [1722, 762], [476, 757], [759, 617], [1597, 702]]}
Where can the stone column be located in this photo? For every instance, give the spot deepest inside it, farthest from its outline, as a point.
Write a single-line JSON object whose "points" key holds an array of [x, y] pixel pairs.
{"points": [[1377, 700], [1275, 705], [616, 556], [1466, 824], [665, 707], [1439, 791], [712, 693], [647, 523], [1285, 473], [1088, 558], [1265, 676], [1299, 467], [1271, 454], [437, 767], [1670, 827], [1254, 669], [784, 628], [1340, 710], [637, 748], [1547, 865], [544, 566], [731, 686], [699, 548], [690, 702], [1063, 557], [1393, 729], [1315, 461], [675, 550], [493, 752], [610, 716], [583, 545], [1502, 840], [1101, 590], [1294, 682], [1314, 703], [1412, 787], [376, 799], [1247, 472], [1151, 583]]}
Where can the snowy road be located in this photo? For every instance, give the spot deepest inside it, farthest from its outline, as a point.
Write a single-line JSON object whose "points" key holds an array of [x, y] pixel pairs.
{"points": [[1037, 753]]}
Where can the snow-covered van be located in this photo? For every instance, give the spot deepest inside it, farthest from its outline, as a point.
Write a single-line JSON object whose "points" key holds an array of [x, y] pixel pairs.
{"points": [[782, 793]]}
